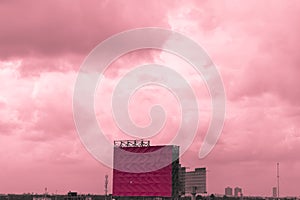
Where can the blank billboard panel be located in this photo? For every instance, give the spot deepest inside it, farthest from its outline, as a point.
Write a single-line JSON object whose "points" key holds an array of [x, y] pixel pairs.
{"points": [[143, 171]]}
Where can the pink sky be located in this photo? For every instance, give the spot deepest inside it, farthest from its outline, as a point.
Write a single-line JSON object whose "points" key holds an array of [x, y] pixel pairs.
{"points": [[254, 44]]}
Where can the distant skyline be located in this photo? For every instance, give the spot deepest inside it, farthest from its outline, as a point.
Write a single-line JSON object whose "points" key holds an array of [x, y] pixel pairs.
{"points": [[254, 44]]}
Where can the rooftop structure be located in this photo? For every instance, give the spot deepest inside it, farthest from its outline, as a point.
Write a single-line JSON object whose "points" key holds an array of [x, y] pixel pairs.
{"points": [[131, 143]]}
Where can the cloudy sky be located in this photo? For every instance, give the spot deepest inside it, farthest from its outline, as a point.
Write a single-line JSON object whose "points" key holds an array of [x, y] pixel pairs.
{"points": [[254, 45]]}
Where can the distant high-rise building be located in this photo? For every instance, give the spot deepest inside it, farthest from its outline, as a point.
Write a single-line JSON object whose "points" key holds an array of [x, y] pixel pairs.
{"points": [[195, 181], [228, 191], [238, 191], [274, 192]]}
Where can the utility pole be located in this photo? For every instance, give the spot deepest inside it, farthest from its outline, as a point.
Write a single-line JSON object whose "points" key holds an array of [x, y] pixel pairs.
{"points": [[105, 186]]}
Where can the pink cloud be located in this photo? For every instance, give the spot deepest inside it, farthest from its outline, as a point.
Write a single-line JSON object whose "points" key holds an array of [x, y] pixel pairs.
{"points": [[255, 46], [56, 28]]}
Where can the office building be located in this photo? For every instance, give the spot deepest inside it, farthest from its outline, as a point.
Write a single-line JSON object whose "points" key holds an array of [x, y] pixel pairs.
{"points": [[195, 181]]}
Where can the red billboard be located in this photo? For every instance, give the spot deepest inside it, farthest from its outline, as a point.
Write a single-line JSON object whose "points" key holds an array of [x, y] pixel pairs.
{"points": [[143, 171]]}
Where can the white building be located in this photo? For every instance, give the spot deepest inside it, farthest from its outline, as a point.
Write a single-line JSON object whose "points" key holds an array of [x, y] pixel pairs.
{"points": [[195, 181], [238, 191]]}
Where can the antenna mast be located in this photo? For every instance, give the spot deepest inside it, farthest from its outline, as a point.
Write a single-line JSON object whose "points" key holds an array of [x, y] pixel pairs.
{"points": [[278, 180]]}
